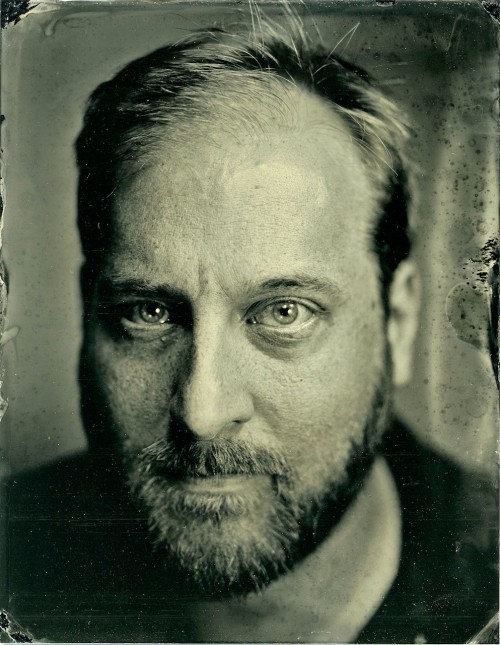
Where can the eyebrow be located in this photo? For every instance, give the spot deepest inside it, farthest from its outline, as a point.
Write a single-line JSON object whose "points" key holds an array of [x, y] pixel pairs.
{"points": [[110, 285], [121, 286], [305, 282]]}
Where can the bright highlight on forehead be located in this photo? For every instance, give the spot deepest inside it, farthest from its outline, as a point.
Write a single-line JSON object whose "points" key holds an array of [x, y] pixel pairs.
{"points": [[287, 181], [277, 133]]}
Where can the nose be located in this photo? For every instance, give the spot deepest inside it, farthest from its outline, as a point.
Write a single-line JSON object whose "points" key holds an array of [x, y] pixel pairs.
{"points": [[212, 397]]}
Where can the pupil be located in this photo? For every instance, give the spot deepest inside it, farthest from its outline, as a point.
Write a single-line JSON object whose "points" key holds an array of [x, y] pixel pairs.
{"points": [[286, 313], [150, 312]]}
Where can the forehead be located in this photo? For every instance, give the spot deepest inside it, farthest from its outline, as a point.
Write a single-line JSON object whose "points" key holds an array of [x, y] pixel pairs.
{"points": [[297, 192]]}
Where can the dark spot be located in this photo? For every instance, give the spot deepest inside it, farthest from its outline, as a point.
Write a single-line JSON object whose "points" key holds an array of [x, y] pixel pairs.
{"points": [[19, 637], [492, 9], [12, 10], [4, 621]]}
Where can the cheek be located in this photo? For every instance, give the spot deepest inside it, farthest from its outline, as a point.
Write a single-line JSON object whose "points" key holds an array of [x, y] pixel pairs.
{"points": [[137, 384], [322, 402]]}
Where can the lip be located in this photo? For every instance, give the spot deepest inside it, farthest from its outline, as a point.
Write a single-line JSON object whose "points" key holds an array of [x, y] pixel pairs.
{"points": [[217, 484]]}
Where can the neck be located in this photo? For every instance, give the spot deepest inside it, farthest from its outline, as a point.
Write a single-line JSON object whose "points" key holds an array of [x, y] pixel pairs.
{"points": [[332, 594]]}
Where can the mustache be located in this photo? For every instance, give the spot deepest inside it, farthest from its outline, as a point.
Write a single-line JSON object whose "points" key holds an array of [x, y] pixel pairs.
{"points": [[210, 458]]}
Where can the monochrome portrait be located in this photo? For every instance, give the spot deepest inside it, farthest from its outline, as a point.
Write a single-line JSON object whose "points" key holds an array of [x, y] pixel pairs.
{"points": [[250, 322]]}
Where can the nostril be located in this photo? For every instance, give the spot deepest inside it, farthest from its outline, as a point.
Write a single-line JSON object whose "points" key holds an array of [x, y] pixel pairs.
{"points": [[181, 431]]}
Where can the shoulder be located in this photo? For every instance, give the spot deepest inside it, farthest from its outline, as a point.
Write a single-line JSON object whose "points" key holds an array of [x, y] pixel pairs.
{"points": [[63, 518], [56, 488], [75, 543], [439, 499], [447, 584], [80, 563]]}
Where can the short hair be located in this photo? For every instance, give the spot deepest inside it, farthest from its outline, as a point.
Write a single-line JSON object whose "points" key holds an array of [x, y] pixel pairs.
{"points": [[174, 84]]}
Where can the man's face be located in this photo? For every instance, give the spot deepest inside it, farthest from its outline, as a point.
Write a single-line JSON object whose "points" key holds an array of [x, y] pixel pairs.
{"points": [[237, 339]]}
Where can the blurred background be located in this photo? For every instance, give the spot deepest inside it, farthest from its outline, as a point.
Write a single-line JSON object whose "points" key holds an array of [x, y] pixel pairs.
{"points": [[439, 60]]}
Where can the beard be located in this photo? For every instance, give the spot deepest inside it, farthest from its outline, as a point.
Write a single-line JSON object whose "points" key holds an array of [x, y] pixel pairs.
{"points": [[237, 541], [219, 544]]}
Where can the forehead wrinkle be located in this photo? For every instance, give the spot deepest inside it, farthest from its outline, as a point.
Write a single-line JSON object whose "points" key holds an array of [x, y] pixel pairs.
{"points": [[146, 257], [143, 268]]}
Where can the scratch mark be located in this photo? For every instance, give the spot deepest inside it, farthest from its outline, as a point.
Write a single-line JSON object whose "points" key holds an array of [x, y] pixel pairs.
{"points": [[450, 41]]}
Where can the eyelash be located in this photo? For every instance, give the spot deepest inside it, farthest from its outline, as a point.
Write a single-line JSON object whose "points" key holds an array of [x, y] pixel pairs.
{"points": [[261, 307], [120, 317]]}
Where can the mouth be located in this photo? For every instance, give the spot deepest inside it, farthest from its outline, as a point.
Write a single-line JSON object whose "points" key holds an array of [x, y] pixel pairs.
{"points": [[219, 484]]}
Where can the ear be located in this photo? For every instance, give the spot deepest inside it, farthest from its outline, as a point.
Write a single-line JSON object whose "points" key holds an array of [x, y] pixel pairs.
{"points": [[402, 324]]}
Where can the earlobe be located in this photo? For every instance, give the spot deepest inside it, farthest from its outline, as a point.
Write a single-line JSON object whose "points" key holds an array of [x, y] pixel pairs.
{"points": [[404, 305]]}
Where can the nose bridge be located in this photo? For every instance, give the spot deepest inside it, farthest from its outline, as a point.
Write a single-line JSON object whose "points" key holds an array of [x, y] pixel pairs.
{"points": [[213, 396]]}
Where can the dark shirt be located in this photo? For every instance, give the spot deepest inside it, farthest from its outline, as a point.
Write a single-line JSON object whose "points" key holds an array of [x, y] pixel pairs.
{"points": [[80, 565], [447, 585]]}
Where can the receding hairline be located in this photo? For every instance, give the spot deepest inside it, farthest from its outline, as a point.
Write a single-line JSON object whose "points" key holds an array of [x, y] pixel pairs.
{"points": [[233, 118]]}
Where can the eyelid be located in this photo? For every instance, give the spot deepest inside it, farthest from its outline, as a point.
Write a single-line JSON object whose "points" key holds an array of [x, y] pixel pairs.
{"points": [[134, 306], [262, 304], [174, 306], [118, 315], [286, 335]]}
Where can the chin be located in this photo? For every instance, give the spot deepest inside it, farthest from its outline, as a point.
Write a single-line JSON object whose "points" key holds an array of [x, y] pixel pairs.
{"points": [[230, 541], [221, 543]]}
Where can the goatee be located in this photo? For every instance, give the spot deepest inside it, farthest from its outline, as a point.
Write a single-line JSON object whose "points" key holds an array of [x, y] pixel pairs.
{"points": [[237, 541]]}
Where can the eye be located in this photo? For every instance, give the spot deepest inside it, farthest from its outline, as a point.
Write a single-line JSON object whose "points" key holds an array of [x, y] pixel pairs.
{"points": [[146, 319], [150, 313], [143, 319], [283, 313]]}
